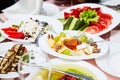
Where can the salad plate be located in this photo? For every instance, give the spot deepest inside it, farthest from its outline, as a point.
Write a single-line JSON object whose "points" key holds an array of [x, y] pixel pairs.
{"points": [[78, 67], [30, 26], [110, 63], [66, 52], [102, 21], [8, 45]]}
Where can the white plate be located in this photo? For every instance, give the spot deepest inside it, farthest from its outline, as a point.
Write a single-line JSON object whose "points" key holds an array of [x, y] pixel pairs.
{"points": [[7, 45], [50, 9], [57, 26], [115, 15], [102, 45], [87, 67], [110, 63], [99, 75]]}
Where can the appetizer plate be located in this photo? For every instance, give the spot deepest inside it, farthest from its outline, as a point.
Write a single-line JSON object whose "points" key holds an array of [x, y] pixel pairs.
{"points": [[7, 45], [54, 23], [42, 41], [110, 63], [113, 13], [82, 66], [99, 75]]}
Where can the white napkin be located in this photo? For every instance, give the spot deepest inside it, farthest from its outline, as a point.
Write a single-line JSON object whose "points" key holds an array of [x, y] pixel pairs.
{"points": [[112, 2], [28, 7]]}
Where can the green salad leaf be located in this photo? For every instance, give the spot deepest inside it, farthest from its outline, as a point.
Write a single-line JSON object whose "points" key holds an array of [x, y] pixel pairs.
{"points": [[89, 16]]}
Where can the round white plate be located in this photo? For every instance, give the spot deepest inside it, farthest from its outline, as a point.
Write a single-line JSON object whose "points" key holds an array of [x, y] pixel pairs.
{"points": [[42, 41], [110, 63], [87, 67], [57, 26], [99, 75], [7, 45], [115, 15], [50, 9]]}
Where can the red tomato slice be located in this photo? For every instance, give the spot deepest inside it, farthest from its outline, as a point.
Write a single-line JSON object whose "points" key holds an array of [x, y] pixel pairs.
{"points": [[106, 16], [97, 9], [105, 19], [9, 29], [86, 8], [67, 15], [17, 35], [105, 22], [79, 9], [75, 12], [10, 32], [92, 29], [100, 27]]}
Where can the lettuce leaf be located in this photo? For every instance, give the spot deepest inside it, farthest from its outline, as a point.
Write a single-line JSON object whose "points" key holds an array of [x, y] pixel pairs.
{"points": [[89, 16]]}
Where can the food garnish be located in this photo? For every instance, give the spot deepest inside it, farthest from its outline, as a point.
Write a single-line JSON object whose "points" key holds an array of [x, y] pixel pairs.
{"points": [[72, 45]]}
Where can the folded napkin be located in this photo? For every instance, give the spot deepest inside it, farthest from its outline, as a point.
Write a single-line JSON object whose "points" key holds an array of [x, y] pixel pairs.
{"points": [[24, 7]]}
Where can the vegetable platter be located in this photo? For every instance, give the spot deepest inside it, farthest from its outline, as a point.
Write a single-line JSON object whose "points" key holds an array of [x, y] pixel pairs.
{"points": [[89, 17]]}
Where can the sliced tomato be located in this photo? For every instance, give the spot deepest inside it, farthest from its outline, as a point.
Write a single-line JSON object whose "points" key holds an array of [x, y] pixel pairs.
{"points": [[100, 27], [67, 15], [105, 22], [10, 32], [9, 29], [106, 16], [97, 9], [92, 29], [86, 8], [75, 12], [105, 19], [17, 35], [79, 9]]}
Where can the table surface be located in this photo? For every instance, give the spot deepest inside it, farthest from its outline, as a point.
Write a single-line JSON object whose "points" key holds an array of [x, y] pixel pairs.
{"points": [[106, 36]]}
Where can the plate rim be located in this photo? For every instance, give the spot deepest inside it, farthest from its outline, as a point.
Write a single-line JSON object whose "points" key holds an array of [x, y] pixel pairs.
{"points": [[102, 60], [80, 63]]}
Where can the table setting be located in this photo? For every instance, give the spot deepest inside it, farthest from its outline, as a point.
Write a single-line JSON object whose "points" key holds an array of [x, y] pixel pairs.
{"points": [[77, 42]]}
